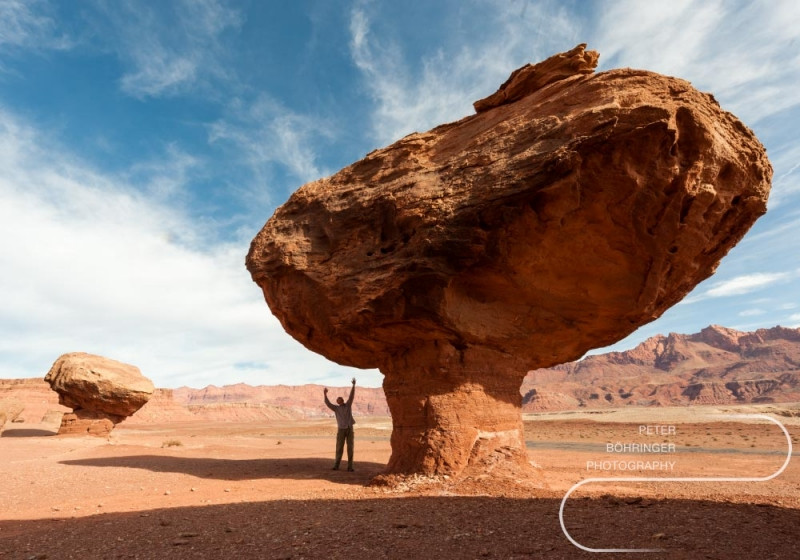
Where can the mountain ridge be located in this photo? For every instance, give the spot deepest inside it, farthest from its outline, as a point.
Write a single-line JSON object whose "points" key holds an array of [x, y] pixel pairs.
{"points": [[717, 365]]}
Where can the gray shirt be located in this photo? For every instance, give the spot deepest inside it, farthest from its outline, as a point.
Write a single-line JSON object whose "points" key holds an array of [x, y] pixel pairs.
{"points": [[343, 412]]}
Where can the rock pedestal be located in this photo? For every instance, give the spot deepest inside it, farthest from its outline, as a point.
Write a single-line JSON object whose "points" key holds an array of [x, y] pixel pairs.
{"points": [[571, 209], [453, 410]]}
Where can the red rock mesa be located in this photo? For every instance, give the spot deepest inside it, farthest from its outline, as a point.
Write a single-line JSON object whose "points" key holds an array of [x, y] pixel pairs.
{"points": [[571, 209]]}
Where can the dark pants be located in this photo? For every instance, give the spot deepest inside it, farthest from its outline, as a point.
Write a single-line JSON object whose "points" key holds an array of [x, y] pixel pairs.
{"points": [[341, 436]]}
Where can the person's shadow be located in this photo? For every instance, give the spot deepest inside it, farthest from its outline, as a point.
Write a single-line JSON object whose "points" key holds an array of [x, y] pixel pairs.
{"points": [[242, 469]]}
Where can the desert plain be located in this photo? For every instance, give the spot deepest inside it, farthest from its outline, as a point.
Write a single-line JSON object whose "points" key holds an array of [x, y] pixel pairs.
{"points": [[265, 489]]}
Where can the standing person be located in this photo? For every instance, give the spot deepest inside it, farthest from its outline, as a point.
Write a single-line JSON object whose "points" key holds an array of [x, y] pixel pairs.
{"points": [[344, 420]]}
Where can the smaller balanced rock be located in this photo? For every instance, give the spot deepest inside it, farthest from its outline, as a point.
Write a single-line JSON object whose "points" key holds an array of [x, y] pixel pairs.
{"points": [[101, 392]]}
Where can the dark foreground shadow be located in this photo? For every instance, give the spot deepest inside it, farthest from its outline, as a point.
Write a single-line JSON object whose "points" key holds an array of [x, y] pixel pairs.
{"points": [[241, 469], [442, 528], [26, 432]]}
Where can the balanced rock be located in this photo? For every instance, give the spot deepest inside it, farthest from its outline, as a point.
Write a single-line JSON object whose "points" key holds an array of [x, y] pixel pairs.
{"points": [[573, 208], [102, 392]]}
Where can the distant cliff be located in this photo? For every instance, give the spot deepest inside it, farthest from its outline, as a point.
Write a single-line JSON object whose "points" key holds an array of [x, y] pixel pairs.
{"points": [[715, 366], [242, 402]]}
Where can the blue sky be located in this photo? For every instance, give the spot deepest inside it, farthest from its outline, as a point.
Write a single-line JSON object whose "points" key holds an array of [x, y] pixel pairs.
{"points": [[144, 143]]}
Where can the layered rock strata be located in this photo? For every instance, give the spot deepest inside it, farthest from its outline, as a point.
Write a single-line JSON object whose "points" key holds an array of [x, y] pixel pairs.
{"points": [[717, 365], [101, 392], [571, 209]]}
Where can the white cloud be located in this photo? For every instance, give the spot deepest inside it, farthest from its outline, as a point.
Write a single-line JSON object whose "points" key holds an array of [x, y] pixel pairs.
{"points": [[266, 133], [165, 178], [746, 284], [171, 49], [751, 312], [93, 265]]}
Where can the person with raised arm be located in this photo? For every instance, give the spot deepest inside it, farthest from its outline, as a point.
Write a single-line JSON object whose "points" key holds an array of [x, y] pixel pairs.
{"points": [[344, 420]]}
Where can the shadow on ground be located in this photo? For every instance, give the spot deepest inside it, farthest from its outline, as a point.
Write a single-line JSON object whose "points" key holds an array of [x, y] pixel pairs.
{"points": [[26, 432], [441, 527], [241, 469]]}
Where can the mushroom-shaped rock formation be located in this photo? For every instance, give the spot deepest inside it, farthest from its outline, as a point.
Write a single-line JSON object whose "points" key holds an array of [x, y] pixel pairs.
{"points": [[100, 391], [571, 209]]}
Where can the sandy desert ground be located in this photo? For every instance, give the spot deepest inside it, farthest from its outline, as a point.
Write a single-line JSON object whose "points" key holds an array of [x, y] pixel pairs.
{"points": [[267, 491]]}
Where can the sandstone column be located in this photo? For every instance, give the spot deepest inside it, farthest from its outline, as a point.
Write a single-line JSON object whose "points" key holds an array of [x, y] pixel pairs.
{"points": [[452, 409]]}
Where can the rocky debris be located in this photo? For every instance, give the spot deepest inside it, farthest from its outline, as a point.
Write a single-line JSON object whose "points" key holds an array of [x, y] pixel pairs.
{"points": [[554, 221], [102, 392]]}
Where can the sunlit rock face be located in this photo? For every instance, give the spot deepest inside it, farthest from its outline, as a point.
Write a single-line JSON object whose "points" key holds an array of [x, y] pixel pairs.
{"points": [[571, 209], [102, 392]]}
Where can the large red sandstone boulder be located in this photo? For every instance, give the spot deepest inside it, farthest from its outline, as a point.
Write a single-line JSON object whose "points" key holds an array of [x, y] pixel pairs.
{"points": [[102, 392], [573, 208]]}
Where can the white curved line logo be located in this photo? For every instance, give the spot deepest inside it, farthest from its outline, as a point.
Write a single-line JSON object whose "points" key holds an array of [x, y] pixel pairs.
{"points": [[675, 479]]}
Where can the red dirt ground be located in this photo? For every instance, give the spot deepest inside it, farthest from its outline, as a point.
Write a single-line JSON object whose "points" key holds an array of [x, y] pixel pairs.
{"points": [[267, 491]]}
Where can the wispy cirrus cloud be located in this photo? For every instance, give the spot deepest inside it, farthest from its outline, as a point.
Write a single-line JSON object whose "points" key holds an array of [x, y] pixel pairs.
{"points": [[165, 179], [29, 24], [266, 134], [752, 312], [740, 285], [169, 51]]}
